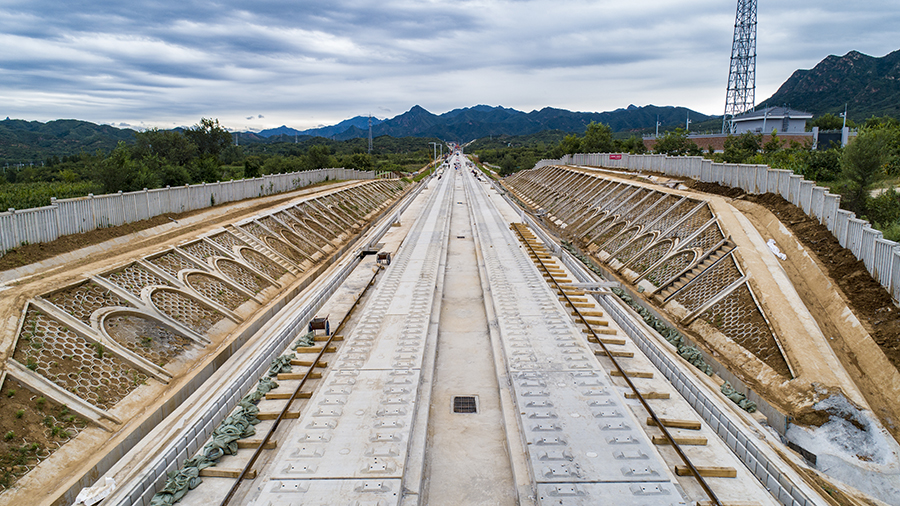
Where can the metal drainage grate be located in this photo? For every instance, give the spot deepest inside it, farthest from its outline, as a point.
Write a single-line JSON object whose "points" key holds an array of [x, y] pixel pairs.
{"points": [[465, 404]]}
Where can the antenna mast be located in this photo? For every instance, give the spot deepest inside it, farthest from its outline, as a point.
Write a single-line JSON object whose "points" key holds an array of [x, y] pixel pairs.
{"points": [[741, 95], [370, 134]]}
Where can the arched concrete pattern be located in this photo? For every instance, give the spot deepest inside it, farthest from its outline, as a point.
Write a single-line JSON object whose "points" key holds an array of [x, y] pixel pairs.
{"points": [[144, 335], [634, 247], [260, 262], [612, 231], [216, 289], [191, 312], [621, 239], [284, 249], [642, 262], [671, 266], [242, 275]]}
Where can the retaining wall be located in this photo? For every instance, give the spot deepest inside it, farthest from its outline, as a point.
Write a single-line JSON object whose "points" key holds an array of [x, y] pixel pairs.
{"points": [[881, 257], [83, 214]]}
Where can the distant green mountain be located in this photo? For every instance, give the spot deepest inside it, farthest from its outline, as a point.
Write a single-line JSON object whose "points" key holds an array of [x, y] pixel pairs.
{"points": [[869, 86], [32, 141]]}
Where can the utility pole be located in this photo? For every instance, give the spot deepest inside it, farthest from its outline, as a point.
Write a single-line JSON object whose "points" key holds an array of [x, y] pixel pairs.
{"points": [[434, 146], [657, 126], [740, 96], [687, 123], [370, 134], [844, 115]]}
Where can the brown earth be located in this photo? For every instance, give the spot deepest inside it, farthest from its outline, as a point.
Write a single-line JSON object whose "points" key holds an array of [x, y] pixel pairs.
{"points": [[868, 300], [32, 427]]}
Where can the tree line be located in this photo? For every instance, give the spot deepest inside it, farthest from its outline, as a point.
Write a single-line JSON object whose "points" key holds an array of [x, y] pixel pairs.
{"points": [[205, 152]]}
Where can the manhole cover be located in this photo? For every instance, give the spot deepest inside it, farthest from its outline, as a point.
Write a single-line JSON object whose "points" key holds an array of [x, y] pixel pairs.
{"points": [[465, 404]]}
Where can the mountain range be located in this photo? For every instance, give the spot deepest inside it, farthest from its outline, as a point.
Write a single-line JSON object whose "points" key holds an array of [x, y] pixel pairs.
{"points": [[868, 85], [483, 120]]}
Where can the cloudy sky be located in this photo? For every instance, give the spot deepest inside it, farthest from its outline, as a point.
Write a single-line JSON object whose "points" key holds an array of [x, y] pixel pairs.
{"points": [[265, 63]]}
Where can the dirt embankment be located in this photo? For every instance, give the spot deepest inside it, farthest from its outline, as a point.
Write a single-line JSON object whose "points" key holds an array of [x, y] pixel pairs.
{"points": [[868, 300]]}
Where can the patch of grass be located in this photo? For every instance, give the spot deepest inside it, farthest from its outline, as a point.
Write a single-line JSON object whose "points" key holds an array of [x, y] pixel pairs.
{"points": [[20, 413]]}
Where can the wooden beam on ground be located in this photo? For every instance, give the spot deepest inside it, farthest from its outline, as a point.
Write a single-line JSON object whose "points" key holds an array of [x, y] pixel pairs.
{"points": [[219, 472], [284, 376], [253, 444], [683, 441], [274, 396], [708, 471], [308, 363], [606, 340], [632, 374], [316, 349], [272, 416], [676, 424], [648, 395], [623, 354]]}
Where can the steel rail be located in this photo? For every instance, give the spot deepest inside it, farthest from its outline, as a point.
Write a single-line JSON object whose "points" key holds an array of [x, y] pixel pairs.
{"points": [[706, 488], [259, 449]]}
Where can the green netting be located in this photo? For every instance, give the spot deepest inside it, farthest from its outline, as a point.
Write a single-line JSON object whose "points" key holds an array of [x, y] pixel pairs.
{"points": [[738, 398], [239, 425]]}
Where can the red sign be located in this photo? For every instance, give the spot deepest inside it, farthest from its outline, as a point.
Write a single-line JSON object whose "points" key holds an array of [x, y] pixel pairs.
{"points": [[615, 157]]}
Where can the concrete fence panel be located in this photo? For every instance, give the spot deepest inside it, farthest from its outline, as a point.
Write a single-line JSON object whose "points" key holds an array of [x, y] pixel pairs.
{"points": [[794, 190], [817, 203], [830, 207], [883, 260], [842, 226], [83, 214], [762, 178], [806, 188], [867, 247], [784, 184], [855, 236], [895, 275]]}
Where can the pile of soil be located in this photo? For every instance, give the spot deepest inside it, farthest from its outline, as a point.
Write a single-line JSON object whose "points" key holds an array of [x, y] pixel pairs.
{"points": [[869, 301]]}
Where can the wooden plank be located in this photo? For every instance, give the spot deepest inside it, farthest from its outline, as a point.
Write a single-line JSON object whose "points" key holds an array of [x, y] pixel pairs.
{"points": [[219, 472], [648, 395], [309, 363], [320, 339], [601, 332], [596, 323], [298, 376], [708, 471], [588, 313], [272, 416], [632, 374], [580, 304], [676, 424], [684, 441], [316, 349], [606, 340], [253, 444], [287, 395], [729, 503], [575, 299], [623, 354]]}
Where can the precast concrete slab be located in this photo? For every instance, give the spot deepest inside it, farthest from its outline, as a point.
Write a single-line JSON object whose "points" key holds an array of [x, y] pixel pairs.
{"points": [[575, 426], [355, 435]]}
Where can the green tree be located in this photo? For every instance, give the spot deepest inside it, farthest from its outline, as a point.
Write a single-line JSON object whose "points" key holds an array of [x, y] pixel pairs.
{"points": [[172, 146], [597, 139], [676, 143], [738, 149], [634, 145], [864, 163], [209, 137], [828, 122], [507, 165], [318, 157], [118, 171]]}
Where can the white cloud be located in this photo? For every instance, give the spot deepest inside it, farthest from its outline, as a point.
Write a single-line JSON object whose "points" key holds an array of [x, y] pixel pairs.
{"points": [[322, 61]]}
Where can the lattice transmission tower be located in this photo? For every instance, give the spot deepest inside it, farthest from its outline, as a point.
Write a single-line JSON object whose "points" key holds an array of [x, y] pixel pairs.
{"points": [[741, 96]]}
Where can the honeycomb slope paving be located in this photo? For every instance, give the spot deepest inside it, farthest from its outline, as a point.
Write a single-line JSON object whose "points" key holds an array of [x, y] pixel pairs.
{"points": [[146, 337], [82, 300], [57, 353]]}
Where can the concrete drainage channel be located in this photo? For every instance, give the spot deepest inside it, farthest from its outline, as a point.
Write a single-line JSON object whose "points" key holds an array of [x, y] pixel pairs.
{"points": [[206, 418], [789, 490]]}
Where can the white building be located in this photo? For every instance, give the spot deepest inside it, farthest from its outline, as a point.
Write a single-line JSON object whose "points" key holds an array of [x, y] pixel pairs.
{"points": [[785, 120]]}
